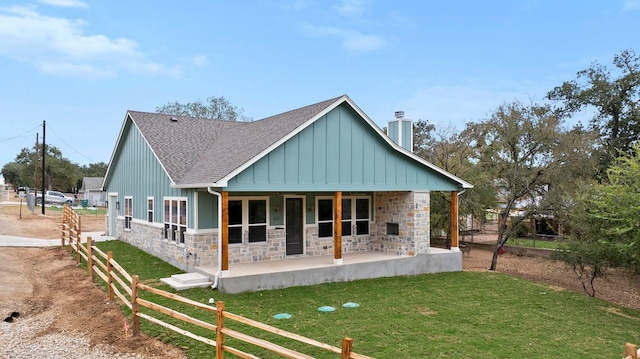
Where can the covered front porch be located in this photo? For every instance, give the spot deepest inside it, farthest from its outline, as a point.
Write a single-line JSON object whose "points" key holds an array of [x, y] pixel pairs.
{"points": [[311, 270], [382, 252]]}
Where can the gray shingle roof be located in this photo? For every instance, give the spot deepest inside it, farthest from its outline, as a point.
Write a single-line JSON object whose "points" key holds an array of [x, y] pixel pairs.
{"points": [[92, 183], [203, 151]]}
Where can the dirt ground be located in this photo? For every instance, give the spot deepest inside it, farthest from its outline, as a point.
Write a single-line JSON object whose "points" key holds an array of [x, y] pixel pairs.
{"points": [[618, 287], [35, 281], [45, 283]]}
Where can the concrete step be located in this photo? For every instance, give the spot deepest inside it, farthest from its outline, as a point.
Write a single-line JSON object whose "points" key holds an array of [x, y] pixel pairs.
{"points": [[187, 281]]}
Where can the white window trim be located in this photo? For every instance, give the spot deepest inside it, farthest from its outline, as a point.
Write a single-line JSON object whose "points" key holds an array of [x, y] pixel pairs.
{"points": [[151, 211], [353, 214], [124, 212], [164, 220], [245, 218]]}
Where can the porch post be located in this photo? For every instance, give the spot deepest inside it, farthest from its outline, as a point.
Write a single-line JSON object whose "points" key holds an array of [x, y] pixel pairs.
{"points": [[454, 221], [224, 231], [337, 228]]}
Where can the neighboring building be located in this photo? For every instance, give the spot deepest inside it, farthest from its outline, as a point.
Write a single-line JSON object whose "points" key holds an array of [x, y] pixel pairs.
{"points": [[305, 187], [92, 192]]}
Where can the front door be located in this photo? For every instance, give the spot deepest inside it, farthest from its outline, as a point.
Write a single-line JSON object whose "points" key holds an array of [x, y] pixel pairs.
{"points": [[112, 214], [293, 226]]}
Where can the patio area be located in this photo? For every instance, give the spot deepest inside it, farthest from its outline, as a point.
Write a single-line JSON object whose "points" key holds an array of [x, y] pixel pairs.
{"points": [[303, 271]]}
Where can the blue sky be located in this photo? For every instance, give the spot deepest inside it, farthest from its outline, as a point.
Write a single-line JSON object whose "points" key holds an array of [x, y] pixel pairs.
{"points": [[81, 64]]}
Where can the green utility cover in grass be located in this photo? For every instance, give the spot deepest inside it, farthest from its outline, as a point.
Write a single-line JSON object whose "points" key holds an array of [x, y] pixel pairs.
{"points": [[326, 308], [351, 305], [282, 316]]}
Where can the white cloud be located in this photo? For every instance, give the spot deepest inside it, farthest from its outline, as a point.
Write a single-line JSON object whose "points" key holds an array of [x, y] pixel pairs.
{"points": [[65, 3], [352, 8], [351, 39], [631, 5], [297, 4], [199, 60], [60, 46], [80, 71]]}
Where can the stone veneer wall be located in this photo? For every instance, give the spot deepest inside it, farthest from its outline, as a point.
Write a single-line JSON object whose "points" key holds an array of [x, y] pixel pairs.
{"points": [[324, 246], [411, 211], [197, 249], [273, 248]]}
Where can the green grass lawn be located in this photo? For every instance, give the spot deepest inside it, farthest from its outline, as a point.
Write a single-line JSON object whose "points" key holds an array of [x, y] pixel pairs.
{"points": [[533, 243], [461, 315]]}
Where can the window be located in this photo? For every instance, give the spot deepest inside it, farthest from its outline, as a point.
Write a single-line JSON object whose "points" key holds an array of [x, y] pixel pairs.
{"points": [[247, 215], [175, 219], [352, 208], [362, 215], [128, 212], [235, 222], [257, 221], [150, 209], [346, 217], [325, 218]]}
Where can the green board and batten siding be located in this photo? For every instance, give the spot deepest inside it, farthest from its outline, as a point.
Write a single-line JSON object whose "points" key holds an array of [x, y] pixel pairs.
{"points": [[136, 169], [338, 152]]}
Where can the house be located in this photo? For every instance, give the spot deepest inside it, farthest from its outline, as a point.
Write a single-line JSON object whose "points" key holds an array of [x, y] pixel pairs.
{"points": [[312, 195], [92, 191]]}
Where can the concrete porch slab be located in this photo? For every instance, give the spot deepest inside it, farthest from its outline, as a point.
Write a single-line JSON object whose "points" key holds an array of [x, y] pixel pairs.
{"points": [[302, 271]]}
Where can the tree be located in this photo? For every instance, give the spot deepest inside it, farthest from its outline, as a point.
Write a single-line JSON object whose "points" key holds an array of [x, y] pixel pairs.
{"points": [[216, 108], [11, 173], [603, 224], [616, 99], [526, 151], [453, 152], [94, 169], [60, 173]]}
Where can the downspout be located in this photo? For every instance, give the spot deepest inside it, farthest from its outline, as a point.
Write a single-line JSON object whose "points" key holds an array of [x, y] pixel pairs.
{"points": [[217, 276]]}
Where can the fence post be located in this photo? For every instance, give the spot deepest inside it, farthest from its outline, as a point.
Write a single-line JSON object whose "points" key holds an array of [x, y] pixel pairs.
{"points": [[62, 235], [109, 275], [135, 307], [219, 326], [90, 259], [78, 235], [347, 346], [630, 351]]}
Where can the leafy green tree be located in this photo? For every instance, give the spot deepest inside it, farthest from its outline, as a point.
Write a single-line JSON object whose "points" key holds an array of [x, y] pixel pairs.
{"points": [[94, 169], [11, 173], [603, 224], [527, 152], [60, 173], [216, 108], [452, 152], [614, 97]]}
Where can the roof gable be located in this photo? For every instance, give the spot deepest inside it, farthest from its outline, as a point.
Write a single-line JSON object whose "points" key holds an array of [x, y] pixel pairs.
{"points": [[92, 184], [340, 150], [196, 152]]}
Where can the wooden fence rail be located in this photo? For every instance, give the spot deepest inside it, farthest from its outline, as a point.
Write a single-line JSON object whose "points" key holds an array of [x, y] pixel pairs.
{"points": [[128, 288], [631, 351]]}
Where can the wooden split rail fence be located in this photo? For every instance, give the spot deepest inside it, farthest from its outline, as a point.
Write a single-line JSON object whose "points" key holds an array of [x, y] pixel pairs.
{"points": [[128, 289], [631, 351]]}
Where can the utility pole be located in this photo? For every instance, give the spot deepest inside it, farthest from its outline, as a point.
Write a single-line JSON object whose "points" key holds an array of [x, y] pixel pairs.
{"points": [[35, 167], [44, 152]]}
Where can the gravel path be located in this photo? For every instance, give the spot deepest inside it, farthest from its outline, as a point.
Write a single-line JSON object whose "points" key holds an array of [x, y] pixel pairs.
{"points": [[27, 338]]}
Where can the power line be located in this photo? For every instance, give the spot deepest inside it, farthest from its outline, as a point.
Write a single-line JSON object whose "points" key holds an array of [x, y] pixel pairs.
{"points": [[68, 145], [24, 134]]}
